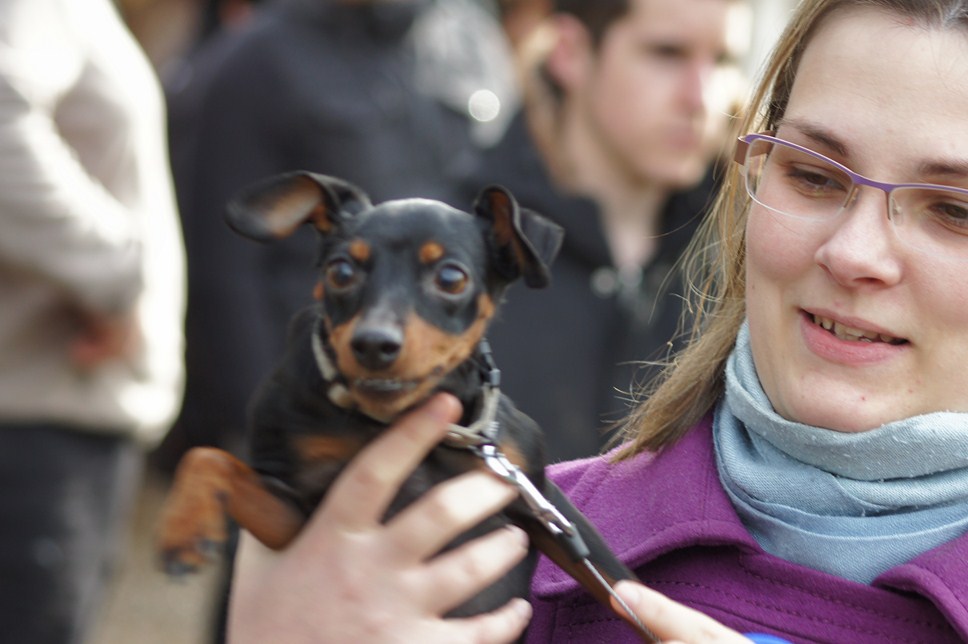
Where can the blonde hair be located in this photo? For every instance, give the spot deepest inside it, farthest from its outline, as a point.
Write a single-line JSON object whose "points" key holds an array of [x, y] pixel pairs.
{"points": [[715, 263]]}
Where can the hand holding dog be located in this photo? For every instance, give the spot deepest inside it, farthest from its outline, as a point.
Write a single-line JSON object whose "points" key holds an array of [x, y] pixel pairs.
{"points": [[347, 577]]}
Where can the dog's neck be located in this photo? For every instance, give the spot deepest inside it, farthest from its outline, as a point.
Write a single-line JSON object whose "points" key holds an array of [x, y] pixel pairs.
{"points": [[325, 359], [466, 381]]}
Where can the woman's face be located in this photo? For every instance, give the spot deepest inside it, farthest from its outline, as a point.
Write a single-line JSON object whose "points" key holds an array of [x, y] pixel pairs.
{"points": [[889, 100]]}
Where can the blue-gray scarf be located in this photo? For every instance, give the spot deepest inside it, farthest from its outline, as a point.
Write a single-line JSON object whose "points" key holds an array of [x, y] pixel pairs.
{"points": [[852, 504]]}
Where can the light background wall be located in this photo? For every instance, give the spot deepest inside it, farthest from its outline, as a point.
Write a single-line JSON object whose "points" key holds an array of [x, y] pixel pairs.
{"points": [[769, 18]]}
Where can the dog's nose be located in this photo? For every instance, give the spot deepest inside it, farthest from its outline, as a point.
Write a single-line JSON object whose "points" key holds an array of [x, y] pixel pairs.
{"points": [[376, 349]]}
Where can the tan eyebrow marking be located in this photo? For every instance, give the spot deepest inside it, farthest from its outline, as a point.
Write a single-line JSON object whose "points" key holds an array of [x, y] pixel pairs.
{"points": [[431, 252], [359, 250]]}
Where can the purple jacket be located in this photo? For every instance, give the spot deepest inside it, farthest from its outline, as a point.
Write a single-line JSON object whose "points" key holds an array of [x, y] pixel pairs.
{"points": [[669, 519]]}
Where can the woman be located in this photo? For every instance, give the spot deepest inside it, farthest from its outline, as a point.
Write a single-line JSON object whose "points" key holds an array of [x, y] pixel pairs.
{"points": [[801, 470]]}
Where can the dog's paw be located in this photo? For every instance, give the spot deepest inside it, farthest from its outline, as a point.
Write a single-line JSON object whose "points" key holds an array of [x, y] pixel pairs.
{"points": [[178, 561], [193, 532]]}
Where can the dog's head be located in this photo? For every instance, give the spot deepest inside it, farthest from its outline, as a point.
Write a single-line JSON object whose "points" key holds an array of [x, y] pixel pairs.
{"points": [[407, 286]]}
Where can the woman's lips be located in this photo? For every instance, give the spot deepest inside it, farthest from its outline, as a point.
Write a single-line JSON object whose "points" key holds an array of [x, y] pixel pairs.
{"points": [[847, 344]]}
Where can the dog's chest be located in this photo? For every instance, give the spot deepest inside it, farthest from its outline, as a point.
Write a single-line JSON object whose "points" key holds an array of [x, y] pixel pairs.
{"points": [[315, 467], [301, 439]]}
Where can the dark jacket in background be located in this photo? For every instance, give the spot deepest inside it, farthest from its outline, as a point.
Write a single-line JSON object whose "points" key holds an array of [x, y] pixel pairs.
{"points": [[570, 354]]}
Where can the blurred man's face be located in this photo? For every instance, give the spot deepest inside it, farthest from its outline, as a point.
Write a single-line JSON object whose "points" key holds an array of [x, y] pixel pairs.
{"points": [[656, 93]]}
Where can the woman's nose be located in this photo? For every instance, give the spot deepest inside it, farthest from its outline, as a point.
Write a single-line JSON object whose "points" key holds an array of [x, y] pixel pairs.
{"points": [[861, 246]]}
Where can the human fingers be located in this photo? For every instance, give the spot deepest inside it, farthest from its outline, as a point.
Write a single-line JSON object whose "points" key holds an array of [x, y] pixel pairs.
{"points": [[447, 510], [361, 494], [455, 576], [504, 625], [276, 597], [670, 620], [257, 561]]}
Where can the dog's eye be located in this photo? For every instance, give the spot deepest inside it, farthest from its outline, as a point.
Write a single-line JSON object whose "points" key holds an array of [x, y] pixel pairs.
{"points": [[340, 273], [451, 279]]}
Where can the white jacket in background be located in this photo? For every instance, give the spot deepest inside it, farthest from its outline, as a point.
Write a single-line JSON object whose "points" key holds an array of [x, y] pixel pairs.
{"points": [[87, 219]]}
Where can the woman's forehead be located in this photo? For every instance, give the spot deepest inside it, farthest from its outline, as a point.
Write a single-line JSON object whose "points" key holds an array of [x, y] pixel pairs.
{"points": [[882, 84]]}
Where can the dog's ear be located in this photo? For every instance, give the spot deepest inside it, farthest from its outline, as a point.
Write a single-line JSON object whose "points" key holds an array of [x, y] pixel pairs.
{"points": [[525, 243], [273, 208]]}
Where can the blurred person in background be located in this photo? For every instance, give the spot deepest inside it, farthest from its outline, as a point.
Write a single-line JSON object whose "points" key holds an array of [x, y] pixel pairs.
{"points": [[626, 108], [91, 304]]}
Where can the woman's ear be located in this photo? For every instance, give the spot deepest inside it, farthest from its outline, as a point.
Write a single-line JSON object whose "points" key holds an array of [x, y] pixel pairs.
{"points": [[570, 61]]}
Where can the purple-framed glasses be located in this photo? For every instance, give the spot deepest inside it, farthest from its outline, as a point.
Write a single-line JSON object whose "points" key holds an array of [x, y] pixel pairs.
{"points": [[797, 182]]}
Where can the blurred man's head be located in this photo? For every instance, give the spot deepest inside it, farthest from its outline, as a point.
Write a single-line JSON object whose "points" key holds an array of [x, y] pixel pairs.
{"points": [[648, 83]]}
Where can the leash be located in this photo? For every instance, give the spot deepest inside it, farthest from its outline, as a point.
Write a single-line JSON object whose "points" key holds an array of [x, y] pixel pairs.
{"points": [[480, 437]]}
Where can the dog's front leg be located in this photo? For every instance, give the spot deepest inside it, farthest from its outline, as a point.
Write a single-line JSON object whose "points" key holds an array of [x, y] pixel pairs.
{"points": [[210, 484]]}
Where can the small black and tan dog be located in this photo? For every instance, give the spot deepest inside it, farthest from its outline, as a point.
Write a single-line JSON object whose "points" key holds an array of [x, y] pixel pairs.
{"points": [[406, 292]]}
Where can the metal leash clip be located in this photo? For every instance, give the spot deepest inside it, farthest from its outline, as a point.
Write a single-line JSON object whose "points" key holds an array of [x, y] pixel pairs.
{"points": [[543, 510]]}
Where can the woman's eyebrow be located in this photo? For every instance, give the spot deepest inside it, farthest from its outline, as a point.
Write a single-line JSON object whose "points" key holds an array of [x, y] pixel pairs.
{"points": [[954, 168], [951, 168], [817, 134]]}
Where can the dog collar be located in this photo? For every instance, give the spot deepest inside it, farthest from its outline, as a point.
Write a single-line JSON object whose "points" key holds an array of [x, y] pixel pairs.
{"points": [[336, 389], [485, 429]]}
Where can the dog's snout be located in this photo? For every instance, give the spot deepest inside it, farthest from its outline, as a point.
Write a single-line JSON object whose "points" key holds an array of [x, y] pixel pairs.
{"points": [[376, 348]]}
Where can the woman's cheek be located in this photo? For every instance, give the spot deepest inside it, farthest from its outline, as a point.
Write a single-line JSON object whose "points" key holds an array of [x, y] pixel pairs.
{"points": [[773, 247]]}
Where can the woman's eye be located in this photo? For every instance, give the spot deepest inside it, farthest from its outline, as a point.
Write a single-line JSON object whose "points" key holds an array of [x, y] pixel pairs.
{"points": [[815, 183], [951, 214], [451, 279], [340, 274]]}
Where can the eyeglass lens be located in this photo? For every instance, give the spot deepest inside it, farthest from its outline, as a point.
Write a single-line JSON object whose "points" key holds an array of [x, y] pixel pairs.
{"points": [[792, 182]]}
